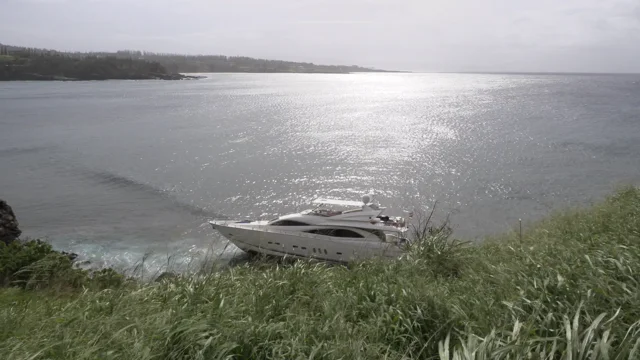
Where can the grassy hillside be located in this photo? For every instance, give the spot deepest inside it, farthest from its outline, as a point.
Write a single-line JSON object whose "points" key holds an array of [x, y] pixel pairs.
{"points": [[568, 289]]}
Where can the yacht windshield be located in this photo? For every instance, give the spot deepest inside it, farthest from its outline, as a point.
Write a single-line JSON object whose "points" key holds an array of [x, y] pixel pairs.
{"points": [[328, 212], [325, 212]]}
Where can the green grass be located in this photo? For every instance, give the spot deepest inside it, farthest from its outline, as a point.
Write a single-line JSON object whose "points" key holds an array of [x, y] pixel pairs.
{"points": [[569, 289], [6, 58]]}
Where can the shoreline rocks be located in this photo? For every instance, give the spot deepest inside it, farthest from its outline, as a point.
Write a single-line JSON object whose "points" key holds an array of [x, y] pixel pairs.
{"points": [[9, 227]]}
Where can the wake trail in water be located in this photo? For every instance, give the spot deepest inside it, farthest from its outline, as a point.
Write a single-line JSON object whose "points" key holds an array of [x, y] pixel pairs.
{"points": [[124, 182], [15, 151], [66, 165]]}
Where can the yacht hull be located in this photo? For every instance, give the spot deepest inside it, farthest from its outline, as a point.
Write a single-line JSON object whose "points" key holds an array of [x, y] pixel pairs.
{"points": [[302, 245]]}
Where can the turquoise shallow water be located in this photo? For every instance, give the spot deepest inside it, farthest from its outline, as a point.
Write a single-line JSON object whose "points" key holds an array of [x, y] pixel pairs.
{"points": [[117, 169]]}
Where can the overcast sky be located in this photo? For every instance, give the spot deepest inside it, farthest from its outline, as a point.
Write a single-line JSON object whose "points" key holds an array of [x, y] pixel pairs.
{"points": [[419, 35]]}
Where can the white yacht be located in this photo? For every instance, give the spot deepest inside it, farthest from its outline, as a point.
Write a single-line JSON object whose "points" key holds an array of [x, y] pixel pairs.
{"points": [[358, 231]]}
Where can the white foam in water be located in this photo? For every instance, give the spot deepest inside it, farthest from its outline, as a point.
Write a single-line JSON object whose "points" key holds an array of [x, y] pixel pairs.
{"points": [[136, 256], [148, 265]]}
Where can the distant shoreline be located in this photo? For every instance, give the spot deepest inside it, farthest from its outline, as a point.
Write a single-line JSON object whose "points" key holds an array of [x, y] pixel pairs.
{"points": [[188, 76], [31, 77], [40, 77], [23, 63]]}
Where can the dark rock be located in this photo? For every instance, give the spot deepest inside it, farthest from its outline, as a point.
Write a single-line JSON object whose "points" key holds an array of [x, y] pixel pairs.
{"points": [[9, 230], [71, 256], [82, 264]]}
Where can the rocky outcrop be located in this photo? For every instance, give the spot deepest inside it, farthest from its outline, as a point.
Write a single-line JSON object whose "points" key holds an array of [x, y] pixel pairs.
{"points": [[9, 230]]}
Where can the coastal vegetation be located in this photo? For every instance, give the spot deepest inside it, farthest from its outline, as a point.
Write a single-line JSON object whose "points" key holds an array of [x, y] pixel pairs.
{"points": [[20, 63], [31, 64], [567, 287]]}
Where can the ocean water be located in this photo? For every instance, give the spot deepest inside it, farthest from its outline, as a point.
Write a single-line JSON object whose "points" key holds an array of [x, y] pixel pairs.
{"points": [[119, 170]]}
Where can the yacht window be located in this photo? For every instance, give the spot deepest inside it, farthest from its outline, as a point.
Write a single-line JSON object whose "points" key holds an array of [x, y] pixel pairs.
{"points": [[288, 223], [327, 232], [295, 246], [377, 233], [325, 251], [335, 233], [304, 248], [314, 250], [339, 253]]}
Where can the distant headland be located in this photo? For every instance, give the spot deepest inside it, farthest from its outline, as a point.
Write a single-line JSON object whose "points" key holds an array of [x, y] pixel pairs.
{"points": [[23, 63]]}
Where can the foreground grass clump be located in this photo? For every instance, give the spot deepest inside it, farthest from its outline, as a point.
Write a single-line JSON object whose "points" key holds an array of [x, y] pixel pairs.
{"points": [[568, 289], [33, 264]]}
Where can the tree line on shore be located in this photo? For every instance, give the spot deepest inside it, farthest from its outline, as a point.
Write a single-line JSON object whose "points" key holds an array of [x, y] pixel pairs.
{"points": [[38, 64], [22, 63]]}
